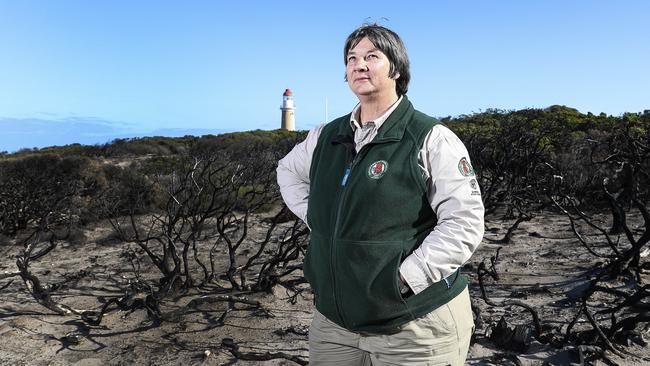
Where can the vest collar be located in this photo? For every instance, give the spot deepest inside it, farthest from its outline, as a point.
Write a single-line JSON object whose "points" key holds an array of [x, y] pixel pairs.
{"points": [[391, 130]]}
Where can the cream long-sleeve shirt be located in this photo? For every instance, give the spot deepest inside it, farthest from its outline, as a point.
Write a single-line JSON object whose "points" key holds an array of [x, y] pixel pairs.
{"points": [[453, 193]]}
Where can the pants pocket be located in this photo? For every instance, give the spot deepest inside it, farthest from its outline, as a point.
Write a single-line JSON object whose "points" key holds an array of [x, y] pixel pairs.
{"points": [[451, 318]]}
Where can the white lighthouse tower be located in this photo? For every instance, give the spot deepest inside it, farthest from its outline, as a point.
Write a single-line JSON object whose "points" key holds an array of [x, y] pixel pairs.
{"points": [[288, 117]]}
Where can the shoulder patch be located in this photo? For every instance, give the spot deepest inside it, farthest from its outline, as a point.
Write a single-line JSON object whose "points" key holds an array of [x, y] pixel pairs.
{"points": [[465, 168]]}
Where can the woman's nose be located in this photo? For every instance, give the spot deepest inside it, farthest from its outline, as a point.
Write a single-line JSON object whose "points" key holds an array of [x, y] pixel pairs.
{"points": [[361, 65]]}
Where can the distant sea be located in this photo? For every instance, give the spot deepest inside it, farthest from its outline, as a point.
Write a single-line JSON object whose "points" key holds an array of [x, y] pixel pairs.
{"points": [[21, 133]]}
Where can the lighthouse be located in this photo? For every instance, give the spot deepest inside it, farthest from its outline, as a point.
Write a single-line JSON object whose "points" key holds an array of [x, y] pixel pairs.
{"points": [[288, 117]]}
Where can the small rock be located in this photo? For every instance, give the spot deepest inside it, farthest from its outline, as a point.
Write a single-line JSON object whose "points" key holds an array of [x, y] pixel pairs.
{"points": [[511, 338], [229, 343], [72, 338]]}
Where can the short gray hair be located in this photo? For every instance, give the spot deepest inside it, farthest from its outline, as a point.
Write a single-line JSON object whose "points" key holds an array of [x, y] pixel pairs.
{"points": [[391, 45]]}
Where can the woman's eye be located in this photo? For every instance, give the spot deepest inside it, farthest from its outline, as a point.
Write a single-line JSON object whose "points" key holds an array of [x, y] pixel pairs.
{"points": [[372, 55]]}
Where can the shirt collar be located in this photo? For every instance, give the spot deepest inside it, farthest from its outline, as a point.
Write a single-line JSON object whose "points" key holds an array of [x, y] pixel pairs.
{"points": [[354, 117]]}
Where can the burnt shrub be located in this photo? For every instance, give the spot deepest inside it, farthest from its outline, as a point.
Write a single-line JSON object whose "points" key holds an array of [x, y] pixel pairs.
{"points": [[40, 185]]}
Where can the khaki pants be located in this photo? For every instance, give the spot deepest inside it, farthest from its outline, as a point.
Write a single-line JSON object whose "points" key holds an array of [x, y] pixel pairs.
{"points": [[439, 338]]}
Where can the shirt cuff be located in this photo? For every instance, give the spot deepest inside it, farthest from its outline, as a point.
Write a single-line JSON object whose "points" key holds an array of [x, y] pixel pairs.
{"points": [[414, 275], [304, 219]]}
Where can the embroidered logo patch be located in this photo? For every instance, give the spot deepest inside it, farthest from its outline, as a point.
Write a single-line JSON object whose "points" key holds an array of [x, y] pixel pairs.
{"points": [[377, 169], [474, 184], [465, 168]]}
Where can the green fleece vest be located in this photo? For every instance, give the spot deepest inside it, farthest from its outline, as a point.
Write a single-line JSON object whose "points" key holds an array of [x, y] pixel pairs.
{"points": [[367, 212]]}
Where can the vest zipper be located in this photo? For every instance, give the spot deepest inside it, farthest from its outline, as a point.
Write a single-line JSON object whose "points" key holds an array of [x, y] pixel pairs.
{"points": [[342, 196]]}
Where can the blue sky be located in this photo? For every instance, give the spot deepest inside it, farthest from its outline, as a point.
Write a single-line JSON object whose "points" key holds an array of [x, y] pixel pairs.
{"points": [[88, 71]]}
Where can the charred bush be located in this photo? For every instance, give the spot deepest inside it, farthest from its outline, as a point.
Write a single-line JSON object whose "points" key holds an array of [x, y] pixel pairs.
{"points": [[36, 185]]}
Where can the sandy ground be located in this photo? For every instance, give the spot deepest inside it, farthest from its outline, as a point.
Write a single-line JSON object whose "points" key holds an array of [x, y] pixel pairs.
{"points": [[544, 266]]}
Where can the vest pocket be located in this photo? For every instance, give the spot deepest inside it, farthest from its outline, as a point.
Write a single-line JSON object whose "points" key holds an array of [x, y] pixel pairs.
{"points": [[367, 283], [318, 273]]}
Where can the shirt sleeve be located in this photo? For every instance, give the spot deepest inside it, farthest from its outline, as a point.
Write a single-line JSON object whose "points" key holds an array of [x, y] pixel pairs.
{"points": [[293, 174], [455, 197]]}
